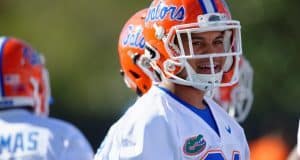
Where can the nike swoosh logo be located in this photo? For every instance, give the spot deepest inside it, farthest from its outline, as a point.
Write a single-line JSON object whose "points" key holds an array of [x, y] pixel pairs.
{"points": [[228, 129]]}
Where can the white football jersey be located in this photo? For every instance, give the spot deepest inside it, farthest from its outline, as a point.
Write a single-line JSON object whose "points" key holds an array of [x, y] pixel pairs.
{"points": [[25, 136], [159, 127]]}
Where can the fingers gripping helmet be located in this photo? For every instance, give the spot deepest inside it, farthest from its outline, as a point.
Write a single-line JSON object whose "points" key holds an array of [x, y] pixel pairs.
{"points": [[237, 99], [168, 21], [23, 77], [134, 67]]}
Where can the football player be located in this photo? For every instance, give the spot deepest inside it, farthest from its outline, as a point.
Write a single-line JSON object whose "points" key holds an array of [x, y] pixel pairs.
{"points": [[269, 146], [236, 99], [27, 132], [195, 46]]}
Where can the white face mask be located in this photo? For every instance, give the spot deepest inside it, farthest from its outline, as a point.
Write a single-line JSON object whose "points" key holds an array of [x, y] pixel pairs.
{"points": [[178, 54]]}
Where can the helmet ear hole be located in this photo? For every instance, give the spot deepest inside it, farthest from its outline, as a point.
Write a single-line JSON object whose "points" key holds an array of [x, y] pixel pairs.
{"points": [[145, 87], [151, 52], [134, 74], [135, 58]]}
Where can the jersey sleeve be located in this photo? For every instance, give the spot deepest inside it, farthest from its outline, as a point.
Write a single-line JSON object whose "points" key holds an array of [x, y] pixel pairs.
{"points": [[247, 152], [246, 147], [146, 140], [110, 145]]}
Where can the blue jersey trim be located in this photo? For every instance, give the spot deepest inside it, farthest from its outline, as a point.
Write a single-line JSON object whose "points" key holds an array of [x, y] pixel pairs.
{"points": [[204, 114]]}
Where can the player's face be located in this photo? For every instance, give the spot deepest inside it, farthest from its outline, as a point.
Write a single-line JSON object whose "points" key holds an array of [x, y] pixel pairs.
{"points": [[205, 43]]}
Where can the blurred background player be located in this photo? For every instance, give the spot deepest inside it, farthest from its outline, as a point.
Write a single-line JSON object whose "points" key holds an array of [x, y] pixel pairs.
{"points": [[269, 146], [192, 48], [237, 99], [131, 46], [26, 132]]}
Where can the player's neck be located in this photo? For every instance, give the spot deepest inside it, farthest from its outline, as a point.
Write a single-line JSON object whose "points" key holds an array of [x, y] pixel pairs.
{"points": [[188, 94]]}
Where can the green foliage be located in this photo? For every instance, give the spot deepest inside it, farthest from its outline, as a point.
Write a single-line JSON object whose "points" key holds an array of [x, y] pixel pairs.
{"points": [[78, 39]]}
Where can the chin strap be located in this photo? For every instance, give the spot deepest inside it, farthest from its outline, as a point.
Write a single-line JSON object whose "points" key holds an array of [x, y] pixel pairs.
{"points": [[210, 93]]}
